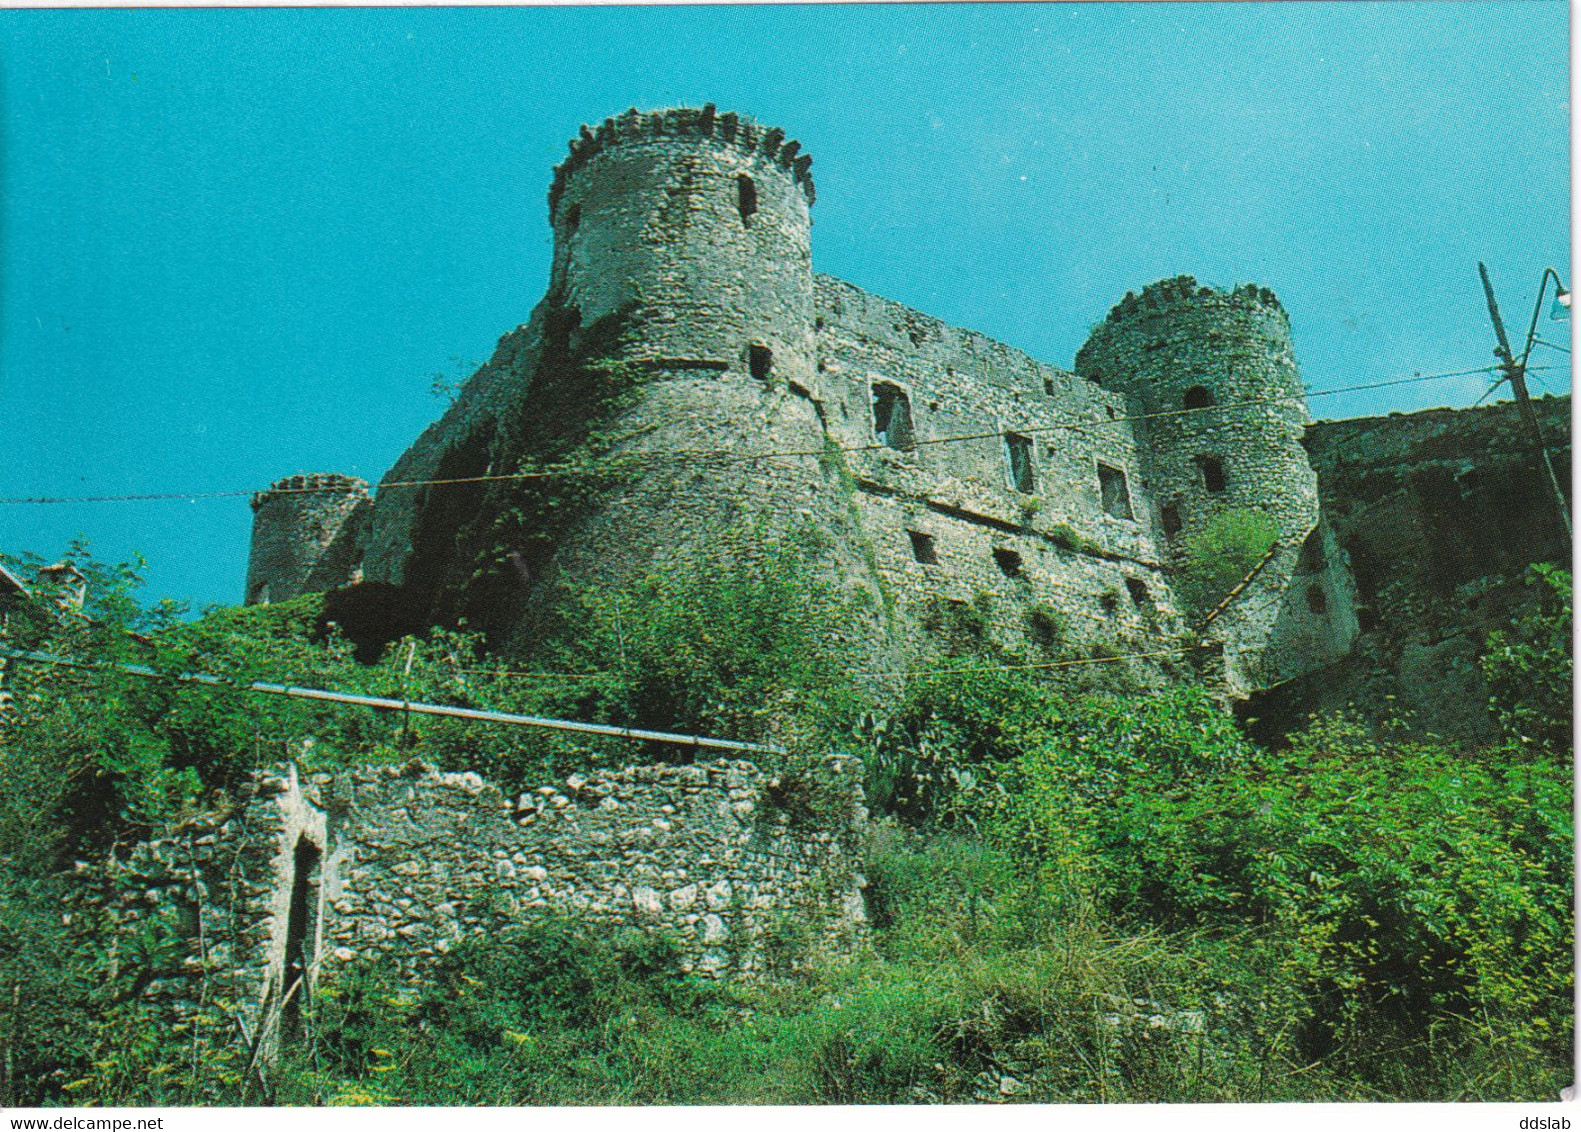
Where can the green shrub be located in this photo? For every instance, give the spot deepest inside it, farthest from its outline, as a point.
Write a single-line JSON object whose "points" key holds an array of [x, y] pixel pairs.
{"points": [[1529, 668], [1222, 553]]}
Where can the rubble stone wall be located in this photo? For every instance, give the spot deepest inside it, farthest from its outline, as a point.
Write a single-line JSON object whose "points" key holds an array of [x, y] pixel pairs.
{"points": [[750, 874]]}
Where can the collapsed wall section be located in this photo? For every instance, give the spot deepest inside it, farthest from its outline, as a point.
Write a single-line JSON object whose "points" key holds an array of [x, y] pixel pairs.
{"points": [[1438, 513]]}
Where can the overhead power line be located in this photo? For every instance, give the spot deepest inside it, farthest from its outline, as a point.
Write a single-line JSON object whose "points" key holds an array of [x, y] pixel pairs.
{"points": [[728, 456]]}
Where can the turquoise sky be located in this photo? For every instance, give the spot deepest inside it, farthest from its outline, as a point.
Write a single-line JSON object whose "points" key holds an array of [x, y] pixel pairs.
{"points": [[238, 244]]}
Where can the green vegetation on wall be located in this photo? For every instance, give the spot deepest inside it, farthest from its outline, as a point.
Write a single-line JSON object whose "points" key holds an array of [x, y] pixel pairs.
{"points": [[1221, 554]]}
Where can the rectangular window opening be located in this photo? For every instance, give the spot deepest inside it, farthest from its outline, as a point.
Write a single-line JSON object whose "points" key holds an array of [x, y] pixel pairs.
{"points": [[892, 417], [923, 548], [1116, 494], [1008, 561], [1170, 514], [1212, 473], [1018, 455], [746, 198]]}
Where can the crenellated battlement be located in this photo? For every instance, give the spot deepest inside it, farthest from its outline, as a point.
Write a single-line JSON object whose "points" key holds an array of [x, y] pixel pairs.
{"points": [[1184, 292], [304, 483], [635, 127]]}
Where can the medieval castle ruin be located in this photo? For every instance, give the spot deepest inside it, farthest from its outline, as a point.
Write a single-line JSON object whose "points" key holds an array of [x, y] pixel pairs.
{"points": [[934, 466], [743, 401]]}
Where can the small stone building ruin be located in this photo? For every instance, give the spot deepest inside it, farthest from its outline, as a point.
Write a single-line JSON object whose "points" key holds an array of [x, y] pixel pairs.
{"points": [[396, 865]]}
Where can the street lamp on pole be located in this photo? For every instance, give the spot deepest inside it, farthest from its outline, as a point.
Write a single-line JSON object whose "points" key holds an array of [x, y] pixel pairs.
{"points": [[1561, 300]]}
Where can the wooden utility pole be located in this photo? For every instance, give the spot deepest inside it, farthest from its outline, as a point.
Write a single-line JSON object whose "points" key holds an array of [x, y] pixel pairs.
{"points": [[1515, 371]]}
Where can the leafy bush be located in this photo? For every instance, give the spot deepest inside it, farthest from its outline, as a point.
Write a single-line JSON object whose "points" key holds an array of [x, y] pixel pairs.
{"points": [[1222, 553], [1529, 668]]}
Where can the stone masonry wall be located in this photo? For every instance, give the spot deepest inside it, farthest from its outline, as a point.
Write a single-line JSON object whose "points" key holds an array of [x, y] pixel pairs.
{"points": [[1013, 552], [421, 860], [396, 865], [199, 919]]}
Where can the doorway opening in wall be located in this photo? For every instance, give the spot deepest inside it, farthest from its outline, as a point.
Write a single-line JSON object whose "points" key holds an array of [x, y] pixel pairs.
{"points": [[892, 417], [1116, 495], [1018, 456], [301, 928], [1212, 473], [1198, 397], [1138, 591]]}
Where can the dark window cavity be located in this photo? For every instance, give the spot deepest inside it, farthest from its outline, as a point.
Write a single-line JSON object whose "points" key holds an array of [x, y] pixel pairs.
{"points": [[1212, 473], [1048, 386], [746, 198], [923, 549], [1317, 600], [1018, 454], [1171, 516], [1198, 397], [892, 417], [1138, 591], [760, 361], [1008, 561], [1116, 496]]}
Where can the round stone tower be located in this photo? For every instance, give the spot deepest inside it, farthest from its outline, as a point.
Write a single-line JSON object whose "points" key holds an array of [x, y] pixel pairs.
{"points": [[1212, 379], [305, 536], [695, 226]]}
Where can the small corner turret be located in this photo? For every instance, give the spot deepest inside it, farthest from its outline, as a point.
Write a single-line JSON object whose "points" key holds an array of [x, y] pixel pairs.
{"points": [[306, 534]]}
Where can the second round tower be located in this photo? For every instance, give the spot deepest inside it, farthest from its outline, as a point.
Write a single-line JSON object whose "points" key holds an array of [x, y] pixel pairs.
{"points": [[1220, 406]]}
